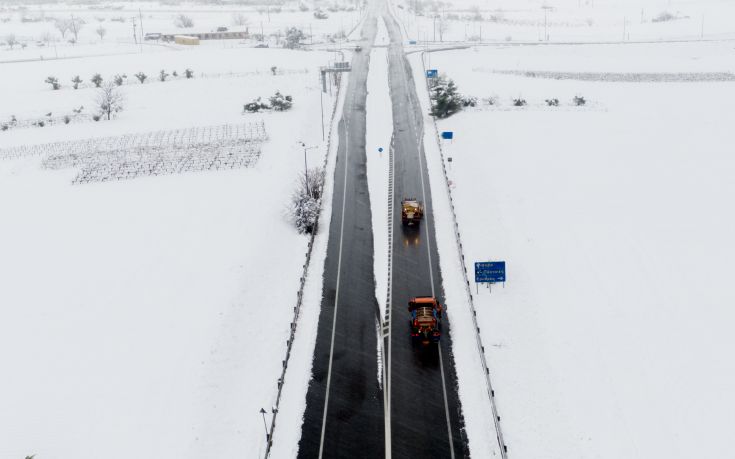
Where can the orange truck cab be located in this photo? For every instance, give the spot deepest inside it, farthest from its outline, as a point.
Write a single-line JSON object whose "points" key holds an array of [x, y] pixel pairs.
{"points": [[425, 320]]}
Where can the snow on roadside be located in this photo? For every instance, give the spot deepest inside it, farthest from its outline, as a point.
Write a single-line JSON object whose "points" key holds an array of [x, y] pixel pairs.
{"points": [[601, 212], [381, 36], [473, 395], [379, 130], [151, 314], [293, 403]]}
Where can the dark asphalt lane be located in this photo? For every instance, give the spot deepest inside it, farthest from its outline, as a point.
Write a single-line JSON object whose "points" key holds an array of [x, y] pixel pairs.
{"points": [[354, 424], [417, 401], [425, 410]]}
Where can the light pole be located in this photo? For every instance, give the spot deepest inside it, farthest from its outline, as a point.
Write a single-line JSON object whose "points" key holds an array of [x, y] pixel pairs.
{"points": [[306, 169], [267, 437]]}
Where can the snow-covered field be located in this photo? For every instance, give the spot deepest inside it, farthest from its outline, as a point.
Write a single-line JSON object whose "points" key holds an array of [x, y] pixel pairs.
{"points": [[148, 317], [569, 20], [611, 337], [34, 26]]}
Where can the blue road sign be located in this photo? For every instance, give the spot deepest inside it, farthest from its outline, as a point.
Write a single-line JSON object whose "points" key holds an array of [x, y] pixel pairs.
{"points": [[411, 42], [448, 135], [380, 150], [432, 73], [490, 271]]}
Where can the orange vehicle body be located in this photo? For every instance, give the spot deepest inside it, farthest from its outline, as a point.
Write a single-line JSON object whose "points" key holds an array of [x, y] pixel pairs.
{"points": [[412, 211], [425, 321]]}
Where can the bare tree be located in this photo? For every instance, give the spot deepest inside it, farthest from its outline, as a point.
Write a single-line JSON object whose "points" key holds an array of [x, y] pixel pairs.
{"points": [[101, 31], [441, 27], [76, 24], [46, 37], [63, 26], [109, 99], [239, 19], [11, 40]]}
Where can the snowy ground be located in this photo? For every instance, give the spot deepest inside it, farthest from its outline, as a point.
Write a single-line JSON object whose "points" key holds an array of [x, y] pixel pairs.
{"points": [[610, 337], [43, 40], [379, 131], [148, 317], [570, 20]]}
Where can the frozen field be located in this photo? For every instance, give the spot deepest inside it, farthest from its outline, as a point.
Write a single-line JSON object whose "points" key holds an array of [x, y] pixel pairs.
{"points": [[611, 337], [148, 317], [35, 26], [569, 20]]}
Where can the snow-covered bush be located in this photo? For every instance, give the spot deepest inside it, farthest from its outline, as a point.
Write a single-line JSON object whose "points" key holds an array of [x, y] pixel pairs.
{"points": [[319, 14], [97, 80], [519, 102], [141, 77], [119, 79], [255, 106], [279, 102], [189, 73], [293, 38], [76, 82], [304, 208], [54, 82], [663, 16], [552, 102], [469, 101], [183, 21], [303, 6], [579, 100], [162, 75]]}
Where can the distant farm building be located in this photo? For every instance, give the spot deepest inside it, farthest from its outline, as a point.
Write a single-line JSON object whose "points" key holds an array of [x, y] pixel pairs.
{"points": [[186, 40], [207, 36]]}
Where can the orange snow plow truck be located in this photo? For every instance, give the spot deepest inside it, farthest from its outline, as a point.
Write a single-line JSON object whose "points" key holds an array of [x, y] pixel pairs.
{"points": [[426, 319], [411, 211]]}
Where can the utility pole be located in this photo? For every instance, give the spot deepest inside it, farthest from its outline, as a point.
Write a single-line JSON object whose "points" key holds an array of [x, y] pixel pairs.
{"points": [[701, 32], [546, 35], [623, 28], [135, 32], [140, 15]]}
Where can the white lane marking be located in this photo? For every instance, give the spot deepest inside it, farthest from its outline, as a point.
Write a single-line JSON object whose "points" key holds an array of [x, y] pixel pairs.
{"points": [[387, 372], [431, 275], [336, 296]]}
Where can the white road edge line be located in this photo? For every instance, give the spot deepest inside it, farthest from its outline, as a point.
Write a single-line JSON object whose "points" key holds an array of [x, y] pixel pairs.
{"points": [[389, 308], [336, 296], [420, 143]]}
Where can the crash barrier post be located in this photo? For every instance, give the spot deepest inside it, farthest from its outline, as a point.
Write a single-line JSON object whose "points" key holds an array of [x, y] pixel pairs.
{"points": [[302, 282], [480, 347]]}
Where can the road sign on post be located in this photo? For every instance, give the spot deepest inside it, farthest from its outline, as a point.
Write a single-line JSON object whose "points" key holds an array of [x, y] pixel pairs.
{"points": [[432, 73], [490, 271], [447, 135]]}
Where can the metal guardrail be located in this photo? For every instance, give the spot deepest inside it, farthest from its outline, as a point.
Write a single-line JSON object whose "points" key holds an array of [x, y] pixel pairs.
{"points": [[302, 282], [480, 347]]}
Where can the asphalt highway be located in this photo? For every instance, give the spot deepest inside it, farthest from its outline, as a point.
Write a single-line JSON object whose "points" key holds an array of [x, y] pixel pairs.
{"points": [[345, 414], [352, 423], [425, 409]]}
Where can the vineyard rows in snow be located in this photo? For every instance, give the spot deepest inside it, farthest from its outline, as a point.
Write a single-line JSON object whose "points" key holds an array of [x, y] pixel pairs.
{"points": [[229, 146]]}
